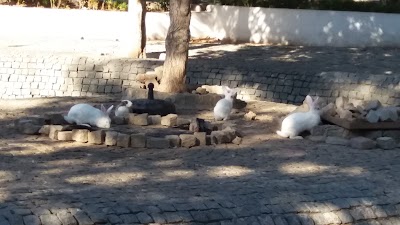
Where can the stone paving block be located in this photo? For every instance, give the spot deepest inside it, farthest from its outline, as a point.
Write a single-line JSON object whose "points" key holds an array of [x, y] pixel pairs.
{"points": [[185, 216], [140, 119], [144, 218], [379, 212], [292, 219], [362, 143], [80, 135], [96, 137], [53, 131], [325, 218], [98, 218], [114, 219], [187, 140], [111, 138], [29, 220], [362, 213], [279, 220], [169, 120], [200, 138], [138, 140], [265, 219], [305, 219], [165, 207], [154, 119], [66, 218], [199, 216], [172, 217], [174, 140], [123, 140], [157, 143], [45, 130], [344, 216], [227, 213], [158, 218], [83, 218], [386, 143], [50, 220], [337, 141], [21, 212], [64, 135], [40, 211], [129, 218]]}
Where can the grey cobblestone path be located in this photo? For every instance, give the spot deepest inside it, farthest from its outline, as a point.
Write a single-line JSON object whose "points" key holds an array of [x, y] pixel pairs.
{"points": [[280, 183]]}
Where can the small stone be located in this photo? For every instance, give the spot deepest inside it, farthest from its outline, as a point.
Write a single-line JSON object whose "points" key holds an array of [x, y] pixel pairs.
{"points": [[372, 105], [386, 143], [169, 120], [218, 137], [237, 140], [362, 143], [111, 138], [154, 119], [194, 92], [96, 137], [157, 143], [119, 120], [337, 141], [45, 129], [64, 135], [340, 102], [372, 116], [229, 133], [174, 140], [344, 113], [53, 133], [194, 125], [141, 119], [201, 90], [319, 139], [200, 138], [131, 117], [123, 140], [187, 140], [387, 114], [138, 140], [328, 110], [80, 135], [182, 122], [250, 115]]}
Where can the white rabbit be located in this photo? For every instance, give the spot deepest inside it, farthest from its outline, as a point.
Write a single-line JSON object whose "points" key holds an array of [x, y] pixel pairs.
{"points": [[297, 122], [84, 114], [222, 109], [122, 109]]}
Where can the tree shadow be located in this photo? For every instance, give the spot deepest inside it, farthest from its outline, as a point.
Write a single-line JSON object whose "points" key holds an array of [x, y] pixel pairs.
{"points": [[270, 182]]}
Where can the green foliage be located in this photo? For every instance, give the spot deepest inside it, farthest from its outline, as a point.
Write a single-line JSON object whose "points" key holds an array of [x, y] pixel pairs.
{"points": [[123, 6]]}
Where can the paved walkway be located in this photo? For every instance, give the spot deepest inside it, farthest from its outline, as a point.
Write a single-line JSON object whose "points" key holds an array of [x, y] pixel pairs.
{"points": [[281, 183]]}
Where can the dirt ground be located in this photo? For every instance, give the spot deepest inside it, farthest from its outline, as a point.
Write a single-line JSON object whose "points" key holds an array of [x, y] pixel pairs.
{"points": [[259, 130]]}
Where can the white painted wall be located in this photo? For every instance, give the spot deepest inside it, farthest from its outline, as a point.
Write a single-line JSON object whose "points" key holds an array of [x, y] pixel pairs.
{"points": [[258, 25]]}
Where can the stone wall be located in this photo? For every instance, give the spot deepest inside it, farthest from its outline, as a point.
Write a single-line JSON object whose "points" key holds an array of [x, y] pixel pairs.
{"points": [[59, 75]]}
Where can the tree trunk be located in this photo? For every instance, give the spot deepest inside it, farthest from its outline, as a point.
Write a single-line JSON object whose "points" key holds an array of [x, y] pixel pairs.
{"points": [[137, 35], [177, 46]]}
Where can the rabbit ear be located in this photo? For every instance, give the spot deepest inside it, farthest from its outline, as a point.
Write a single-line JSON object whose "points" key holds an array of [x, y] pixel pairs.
{"points": [[309, 100], [109, 109], [103, 109]]}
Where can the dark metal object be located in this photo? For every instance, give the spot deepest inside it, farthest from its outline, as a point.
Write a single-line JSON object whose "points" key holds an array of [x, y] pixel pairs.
{"points": [[152, 106]]}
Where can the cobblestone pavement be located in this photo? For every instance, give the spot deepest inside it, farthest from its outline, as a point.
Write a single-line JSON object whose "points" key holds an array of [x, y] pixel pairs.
{"points": [[275, 182], [264, 181]]}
